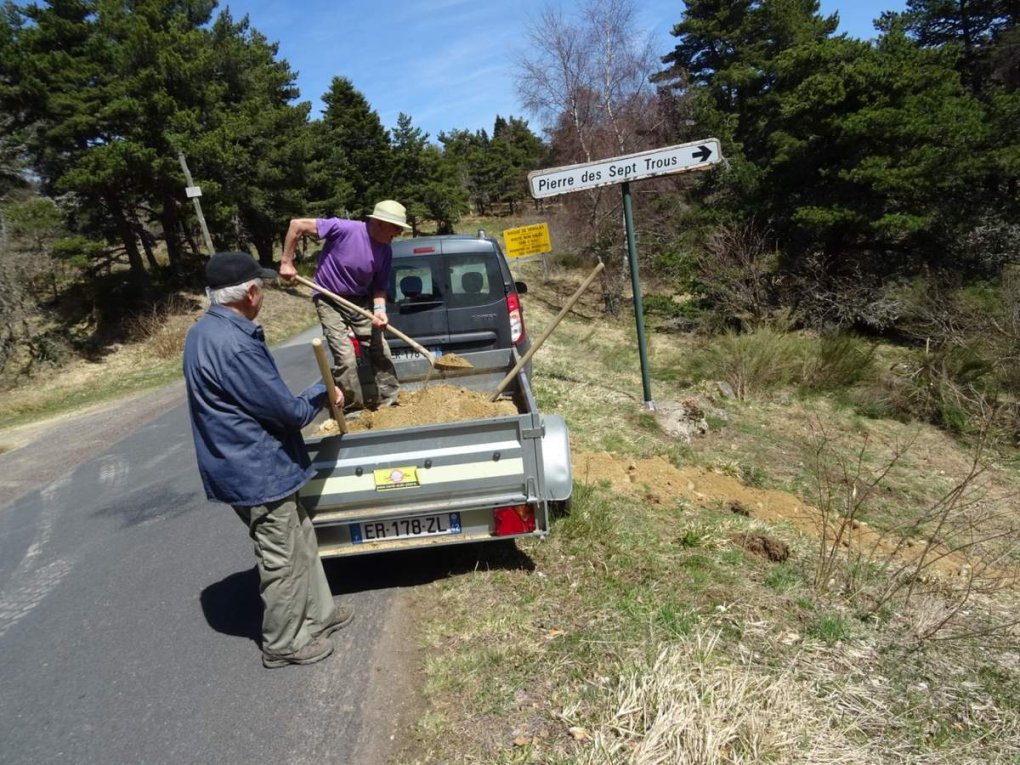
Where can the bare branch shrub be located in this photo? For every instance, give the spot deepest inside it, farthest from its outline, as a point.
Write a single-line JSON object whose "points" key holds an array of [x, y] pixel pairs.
{"points": [[163, 328], [990, 246], [958, 547], [941, 387], [828, 298], [739, 274], [967, 368]]}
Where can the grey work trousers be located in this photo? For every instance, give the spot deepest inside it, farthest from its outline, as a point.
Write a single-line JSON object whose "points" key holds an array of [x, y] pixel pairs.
{"points": [[297, 599], [336, 320]]}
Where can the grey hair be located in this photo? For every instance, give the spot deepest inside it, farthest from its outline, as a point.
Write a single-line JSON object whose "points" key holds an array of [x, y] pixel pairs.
{"points": [[227, 295]]}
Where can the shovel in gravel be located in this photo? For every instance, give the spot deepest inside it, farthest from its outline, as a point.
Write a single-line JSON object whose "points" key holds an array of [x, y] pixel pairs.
{"points": [[447, 361]]}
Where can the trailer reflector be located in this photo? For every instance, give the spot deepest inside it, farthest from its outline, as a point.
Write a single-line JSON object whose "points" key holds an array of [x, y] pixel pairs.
{"points": [[515, 519]]}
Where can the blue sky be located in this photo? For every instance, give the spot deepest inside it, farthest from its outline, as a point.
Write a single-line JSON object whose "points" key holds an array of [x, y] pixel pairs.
{"points": [[446, 63]]}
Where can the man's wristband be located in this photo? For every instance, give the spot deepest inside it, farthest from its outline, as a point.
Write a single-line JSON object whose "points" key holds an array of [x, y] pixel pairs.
{"points": [[378, 308]]}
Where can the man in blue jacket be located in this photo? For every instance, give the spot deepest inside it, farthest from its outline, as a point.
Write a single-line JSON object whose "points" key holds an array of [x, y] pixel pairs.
{"points": [[247, 428]]}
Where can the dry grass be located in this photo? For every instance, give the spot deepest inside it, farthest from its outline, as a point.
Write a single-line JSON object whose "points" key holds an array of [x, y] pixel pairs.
{"points": [[161, 331], [693, 705]]}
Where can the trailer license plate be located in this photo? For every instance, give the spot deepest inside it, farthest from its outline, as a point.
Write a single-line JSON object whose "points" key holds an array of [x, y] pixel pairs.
{"points": [[404, 528]]}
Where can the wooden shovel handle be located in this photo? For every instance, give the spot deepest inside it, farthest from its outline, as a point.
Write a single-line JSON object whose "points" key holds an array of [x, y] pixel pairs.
{"points": [[538, 343], [327, 378], [368, 314]]}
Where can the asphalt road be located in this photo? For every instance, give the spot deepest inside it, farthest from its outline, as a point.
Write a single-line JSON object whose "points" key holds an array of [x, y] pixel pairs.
{"points": [[129, 610]]}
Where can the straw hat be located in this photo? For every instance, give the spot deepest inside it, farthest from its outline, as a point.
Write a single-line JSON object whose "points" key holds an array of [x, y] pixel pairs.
{"points": [[389, 211]]}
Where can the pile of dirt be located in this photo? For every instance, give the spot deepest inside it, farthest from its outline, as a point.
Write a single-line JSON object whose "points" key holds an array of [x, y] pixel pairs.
{"points": [[656, 480], [430, 405]]}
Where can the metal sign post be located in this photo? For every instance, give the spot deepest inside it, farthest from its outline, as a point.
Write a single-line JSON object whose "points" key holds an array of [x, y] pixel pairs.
{"points": [[639, 314], [688, 157]]}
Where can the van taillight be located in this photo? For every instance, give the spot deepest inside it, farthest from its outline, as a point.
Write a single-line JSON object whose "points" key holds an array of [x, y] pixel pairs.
{"points": [[513, 305], [516, 519]]}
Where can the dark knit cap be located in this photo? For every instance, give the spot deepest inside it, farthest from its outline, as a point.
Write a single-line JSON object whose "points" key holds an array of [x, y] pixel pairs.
{"points": [[228, 269]]}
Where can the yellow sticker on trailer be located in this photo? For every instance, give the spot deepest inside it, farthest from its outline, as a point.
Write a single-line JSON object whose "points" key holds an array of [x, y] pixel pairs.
{"points": [[396, 478]]}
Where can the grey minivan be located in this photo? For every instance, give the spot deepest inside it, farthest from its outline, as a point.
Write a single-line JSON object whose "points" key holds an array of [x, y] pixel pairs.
{"points": [[455, 294]]}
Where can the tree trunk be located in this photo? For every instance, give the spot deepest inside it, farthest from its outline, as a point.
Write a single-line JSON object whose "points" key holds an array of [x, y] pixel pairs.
{"points": [[189, 238], [264, 247], [139, 275], [143, 235], [170, 220]]}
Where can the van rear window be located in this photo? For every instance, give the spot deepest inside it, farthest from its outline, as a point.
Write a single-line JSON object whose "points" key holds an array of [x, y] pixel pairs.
{"points": [[474, 280], [458, 281]]}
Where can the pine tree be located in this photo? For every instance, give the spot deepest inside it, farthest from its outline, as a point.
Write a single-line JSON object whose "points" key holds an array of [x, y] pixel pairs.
{"points": [[253, 144], [356, 134]]}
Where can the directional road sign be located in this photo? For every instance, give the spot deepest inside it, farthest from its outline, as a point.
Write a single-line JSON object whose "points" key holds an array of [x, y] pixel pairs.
{"points": [[697, 155]]}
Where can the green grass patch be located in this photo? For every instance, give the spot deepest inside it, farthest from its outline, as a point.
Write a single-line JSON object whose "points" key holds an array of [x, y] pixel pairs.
{"points": [[782, 578], [830, 628]]}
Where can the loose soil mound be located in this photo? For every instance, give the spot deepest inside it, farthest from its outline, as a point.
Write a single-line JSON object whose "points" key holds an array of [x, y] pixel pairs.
{"points": [[428, 406], [656, 480]]}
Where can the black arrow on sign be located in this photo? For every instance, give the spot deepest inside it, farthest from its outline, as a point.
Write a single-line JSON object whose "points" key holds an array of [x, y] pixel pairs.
{"points": [[702, 154]]}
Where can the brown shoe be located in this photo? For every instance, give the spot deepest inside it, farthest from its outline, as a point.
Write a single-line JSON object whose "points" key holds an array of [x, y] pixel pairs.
{"points": [[315, 650], [340, 618]]}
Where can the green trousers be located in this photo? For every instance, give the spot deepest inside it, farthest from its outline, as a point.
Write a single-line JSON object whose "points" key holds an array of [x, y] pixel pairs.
{"points": [[336, 321], [297, 599]]}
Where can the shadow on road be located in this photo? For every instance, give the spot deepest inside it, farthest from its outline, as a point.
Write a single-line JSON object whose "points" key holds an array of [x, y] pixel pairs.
{"points": [[415, 567], [232, 605]]}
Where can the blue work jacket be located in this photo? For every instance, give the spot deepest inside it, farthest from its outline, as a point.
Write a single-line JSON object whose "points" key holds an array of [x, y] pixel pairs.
{"points": [[246, 422]]}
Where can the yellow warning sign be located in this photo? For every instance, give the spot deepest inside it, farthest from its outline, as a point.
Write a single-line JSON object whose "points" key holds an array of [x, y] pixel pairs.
{"points": [[527, 240]]}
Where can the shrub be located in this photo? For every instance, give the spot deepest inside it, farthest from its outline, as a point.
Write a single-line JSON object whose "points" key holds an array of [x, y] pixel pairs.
{"points": [[753, 363], [662, 305], [942, 387], [163, 328], [839, 361]]}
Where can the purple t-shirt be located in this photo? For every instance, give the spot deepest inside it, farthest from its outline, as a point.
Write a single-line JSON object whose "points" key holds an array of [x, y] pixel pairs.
{"points": [[351, 262]]}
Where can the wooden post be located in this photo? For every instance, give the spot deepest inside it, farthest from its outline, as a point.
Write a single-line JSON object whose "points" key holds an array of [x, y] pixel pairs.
{"points": [[198, 204], [327, 379]]}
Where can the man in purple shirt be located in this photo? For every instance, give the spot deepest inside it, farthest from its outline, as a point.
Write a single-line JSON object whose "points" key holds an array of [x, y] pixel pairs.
{"points": [[354, 263]]}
